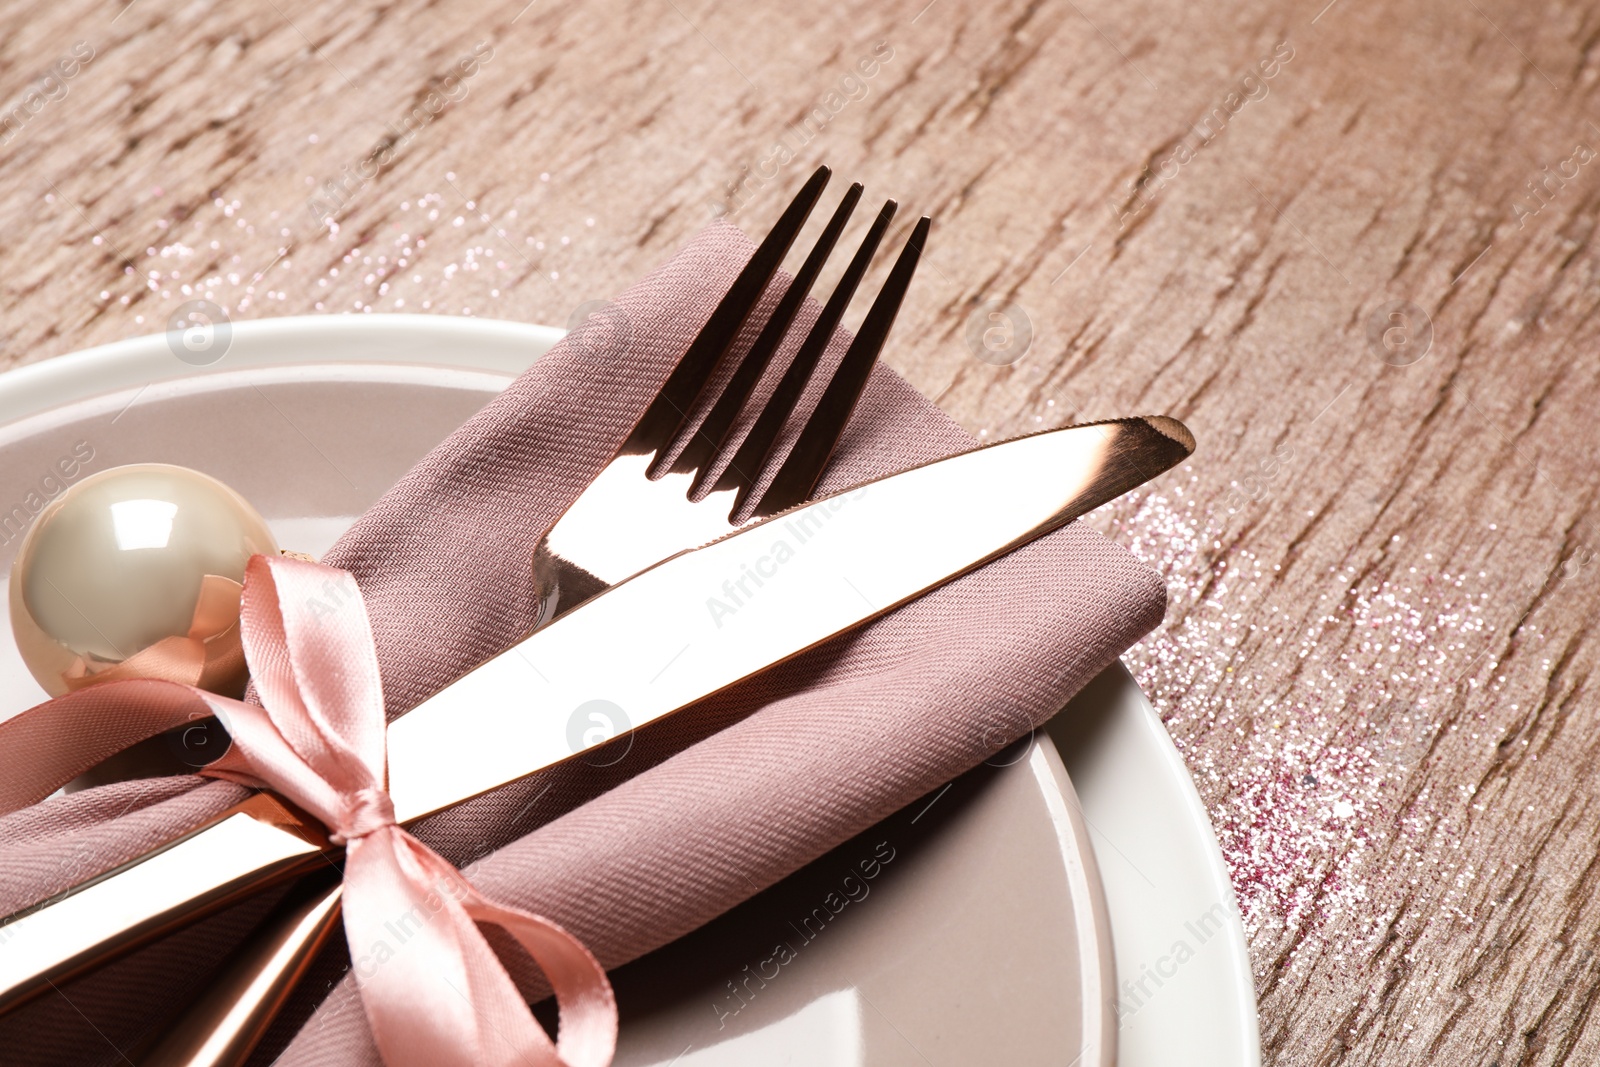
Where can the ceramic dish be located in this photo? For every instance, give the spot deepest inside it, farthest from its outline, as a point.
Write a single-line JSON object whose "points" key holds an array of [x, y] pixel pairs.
{"points": [[984, 933]]}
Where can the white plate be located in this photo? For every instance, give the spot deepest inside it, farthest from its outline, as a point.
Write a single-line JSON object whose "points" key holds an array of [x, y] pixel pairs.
{"points": [[1186, 994]]}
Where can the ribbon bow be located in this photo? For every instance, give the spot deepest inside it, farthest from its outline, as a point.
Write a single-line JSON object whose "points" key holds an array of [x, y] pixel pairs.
{"points": [[434, 992]]}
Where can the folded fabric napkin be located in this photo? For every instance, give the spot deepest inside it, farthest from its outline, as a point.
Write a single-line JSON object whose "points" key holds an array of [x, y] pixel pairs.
{"points": [[706, 808]]}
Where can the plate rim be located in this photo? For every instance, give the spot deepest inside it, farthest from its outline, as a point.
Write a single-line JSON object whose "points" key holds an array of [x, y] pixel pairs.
{"points": [[1128, 716], [133, 362], [417, 340]]}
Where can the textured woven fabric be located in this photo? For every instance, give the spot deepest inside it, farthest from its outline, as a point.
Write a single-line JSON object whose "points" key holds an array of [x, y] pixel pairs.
{"points": [[706, 808]]}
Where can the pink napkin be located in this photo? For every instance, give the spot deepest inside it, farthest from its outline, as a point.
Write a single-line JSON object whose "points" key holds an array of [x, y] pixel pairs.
{"points": [[705, 809]]}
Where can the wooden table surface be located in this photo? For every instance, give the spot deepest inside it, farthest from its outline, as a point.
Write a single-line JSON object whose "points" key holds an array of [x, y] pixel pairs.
{"points": [[1351, 245]]}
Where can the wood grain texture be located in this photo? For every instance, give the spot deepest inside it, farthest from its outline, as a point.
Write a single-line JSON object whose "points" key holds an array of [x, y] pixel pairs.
{"points": [[1224, 267]]}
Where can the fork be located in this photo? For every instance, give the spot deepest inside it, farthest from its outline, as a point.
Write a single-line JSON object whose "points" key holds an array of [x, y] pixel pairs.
{"points": [[650, 502]]}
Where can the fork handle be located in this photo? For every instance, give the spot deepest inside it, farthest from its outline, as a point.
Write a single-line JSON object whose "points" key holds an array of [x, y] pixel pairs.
{"points": [[224, 1026]]}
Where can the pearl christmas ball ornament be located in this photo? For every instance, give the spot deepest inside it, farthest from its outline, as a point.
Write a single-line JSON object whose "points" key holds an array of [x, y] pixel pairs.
{"points": [[136, 572]]}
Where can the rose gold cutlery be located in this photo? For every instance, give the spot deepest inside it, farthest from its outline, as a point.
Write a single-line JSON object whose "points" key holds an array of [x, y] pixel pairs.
{"points": [[621, 525], [623, 522]]}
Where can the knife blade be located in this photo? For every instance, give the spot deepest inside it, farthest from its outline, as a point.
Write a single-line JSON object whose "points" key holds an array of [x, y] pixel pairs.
{"points": [[680, 631]]}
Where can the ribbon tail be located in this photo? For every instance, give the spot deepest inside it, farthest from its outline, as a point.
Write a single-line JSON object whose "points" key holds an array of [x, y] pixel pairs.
{"points": [[104, 712], [171, 659], [434, 991], [216, 608], [587, 1035], [50, 744]]}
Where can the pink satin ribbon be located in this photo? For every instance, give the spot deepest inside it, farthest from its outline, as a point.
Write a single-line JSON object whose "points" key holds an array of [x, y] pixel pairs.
{"points": [[434, 992]]}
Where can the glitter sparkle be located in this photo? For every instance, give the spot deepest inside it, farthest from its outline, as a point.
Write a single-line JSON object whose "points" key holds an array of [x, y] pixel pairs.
{"points": [[1302, 723]]}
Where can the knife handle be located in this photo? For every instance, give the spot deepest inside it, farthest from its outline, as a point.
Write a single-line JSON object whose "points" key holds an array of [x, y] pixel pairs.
{"points": [[259, 843]]}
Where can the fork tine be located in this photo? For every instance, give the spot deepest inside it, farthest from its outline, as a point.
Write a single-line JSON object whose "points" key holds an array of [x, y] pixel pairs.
{"points": [[713, 431], [809, 458], [756, 449], [661, 421]]}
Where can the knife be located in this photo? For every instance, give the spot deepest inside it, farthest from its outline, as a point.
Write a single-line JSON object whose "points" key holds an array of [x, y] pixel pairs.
{"points": [[691, 626]]}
